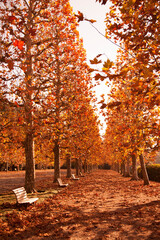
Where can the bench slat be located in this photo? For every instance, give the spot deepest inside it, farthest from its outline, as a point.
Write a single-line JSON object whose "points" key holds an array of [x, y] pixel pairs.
{"points": [[74, 178]]}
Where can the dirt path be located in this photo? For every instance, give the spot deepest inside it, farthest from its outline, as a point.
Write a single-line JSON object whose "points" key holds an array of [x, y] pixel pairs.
{"points": [[102, 205]]}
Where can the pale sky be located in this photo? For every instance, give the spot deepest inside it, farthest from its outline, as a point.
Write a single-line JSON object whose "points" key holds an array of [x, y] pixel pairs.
{"points": [[94, 43]]}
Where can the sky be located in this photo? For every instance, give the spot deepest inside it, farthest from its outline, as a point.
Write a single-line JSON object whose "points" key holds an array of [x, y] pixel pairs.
{"points": [[95, 43]]}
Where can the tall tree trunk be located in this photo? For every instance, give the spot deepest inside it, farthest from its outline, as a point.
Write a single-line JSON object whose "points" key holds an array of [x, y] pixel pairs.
{"points": [[144, 170], [56, 161], [85, 166], [30, 166], [80, 165], [68, 163], [134, 167], [77, 167]]}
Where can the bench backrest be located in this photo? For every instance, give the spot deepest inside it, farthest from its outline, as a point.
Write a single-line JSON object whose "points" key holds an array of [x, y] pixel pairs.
{"points": [[21, 194], [59, 181], [73, 176]]}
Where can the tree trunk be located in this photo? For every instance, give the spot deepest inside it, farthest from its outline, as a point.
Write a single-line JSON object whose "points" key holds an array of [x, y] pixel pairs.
{"points": [[90, 168], [116, 166], [30, 166], [127, 172], [77, 167], [123, 168], [80, 165], [68, 163], [56, 161], [85, 166], [7, 166], [134, 168], [144, 170]]}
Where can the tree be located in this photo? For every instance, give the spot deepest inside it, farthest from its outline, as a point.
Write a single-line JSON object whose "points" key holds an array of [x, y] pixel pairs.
{"points": [[131, 112], [129, 20], [25, 36], [11, 130], [68, 72], [86, 140], [45, 72], [139, 69]]}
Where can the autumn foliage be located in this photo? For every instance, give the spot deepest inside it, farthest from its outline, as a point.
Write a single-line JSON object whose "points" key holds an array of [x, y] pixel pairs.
{"points": [[132, 108], [45, 81], [133, 104], [47, 119], [46, 87]]}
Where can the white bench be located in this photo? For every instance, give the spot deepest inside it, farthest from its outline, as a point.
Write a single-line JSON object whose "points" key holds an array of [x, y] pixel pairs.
{"points": [[81, 175], [59, 180], [21, 196], [73, 177]]}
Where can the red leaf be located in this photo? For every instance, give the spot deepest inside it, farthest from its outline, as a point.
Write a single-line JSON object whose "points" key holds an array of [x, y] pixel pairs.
{"points": [[11, 19], [10, 64], [32, 32], [19, 44], [15, 43], [80, 16], [104, 105]]}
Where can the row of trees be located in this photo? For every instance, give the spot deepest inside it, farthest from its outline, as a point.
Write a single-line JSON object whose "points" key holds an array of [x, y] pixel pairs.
{"points": [[132, 111], [45, 87]]}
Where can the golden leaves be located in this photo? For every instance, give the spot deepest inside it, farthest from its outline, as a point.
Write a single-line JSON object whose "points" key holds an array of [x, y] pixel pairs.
{"points": [[107, 65], [95, 61], [81, 17], [99, 76]]}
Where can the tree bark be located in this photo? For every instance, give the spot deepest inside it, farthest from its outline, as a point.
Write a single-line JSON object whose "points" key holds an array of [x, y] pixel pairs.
{"points": [[68, 163], [134, 167], [127, 173], [77, 167], [56, 161], [80, 165], [116, 167], [7, 166], [85, 166], [30, 166], [123, 168], [144, 170]]}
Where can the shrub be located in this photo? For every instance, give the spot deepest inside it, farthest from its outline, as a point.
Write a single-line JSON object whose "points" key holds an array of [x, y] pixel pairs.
{"points": [[153, 172]]}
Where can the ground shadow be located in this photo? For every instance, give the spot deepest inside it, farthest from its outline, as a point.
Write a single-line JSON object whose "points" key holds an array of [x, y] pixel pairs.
{"points": [[124, 223]]}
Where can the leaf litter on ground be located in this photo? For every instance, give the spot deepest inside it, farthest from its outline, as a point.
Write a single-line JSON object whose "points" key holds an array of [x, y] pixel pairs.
{"points": [[102, 205]]}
